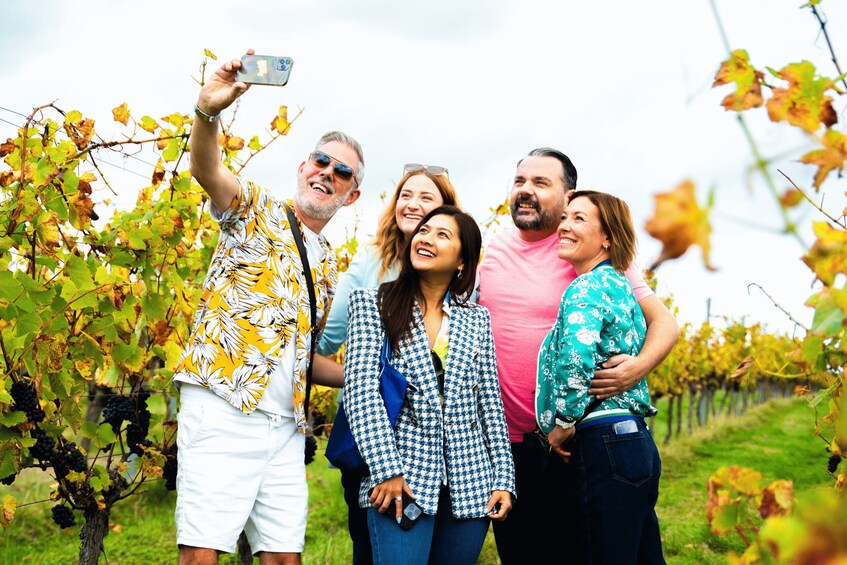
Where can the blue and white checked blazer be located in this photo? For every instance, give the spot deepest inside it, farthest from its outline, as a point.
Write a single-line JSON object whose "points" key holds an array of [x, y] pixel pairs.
{"points": [[471, 434]]}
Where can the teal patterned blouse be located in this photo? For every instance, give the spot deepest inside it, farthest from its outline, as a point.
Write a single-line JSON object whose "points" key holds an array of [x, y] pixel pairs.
{"points": [[598, 318]]}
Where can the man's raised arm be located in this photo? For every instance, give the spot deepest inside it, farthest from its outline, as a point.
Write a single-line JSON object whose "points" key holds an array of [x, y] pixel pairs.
{"points": [[219, 92]]}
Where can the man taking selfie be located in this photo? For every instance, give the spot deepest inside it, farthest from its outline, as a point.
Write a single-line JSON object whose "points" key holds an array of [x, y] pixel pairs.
{"points": [[243, 375]]}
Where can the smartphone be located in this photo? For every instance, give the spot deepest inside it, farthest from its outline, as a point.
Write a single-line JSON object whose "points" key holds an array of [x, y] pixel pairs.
{"points": [[265, 69], [410, 514]]}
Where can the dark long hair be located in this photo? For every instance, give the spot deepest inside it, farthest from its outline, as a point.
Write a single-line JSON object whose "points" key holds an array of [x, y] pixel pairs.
{"points": [[396, 298]]}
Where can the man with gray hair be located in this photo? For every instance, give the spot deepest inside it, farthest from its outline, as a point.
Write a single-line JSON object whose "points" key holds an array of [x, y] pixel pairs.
{"points": [[243, 375], [521, 282]]}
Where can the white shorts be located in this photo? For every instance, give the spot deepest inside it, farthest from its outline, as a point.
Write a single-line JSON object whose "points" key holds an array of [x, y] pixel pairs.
{"points": [[238, 472]]}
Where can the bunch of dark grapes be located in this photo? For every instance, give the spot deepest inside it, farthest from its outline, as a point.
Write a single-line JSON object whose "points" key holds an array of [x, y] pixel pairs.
{"points": [[118, 409], [318, 421], [139, 425], [26, 400], [8, 480], [169, 470], [44, 448], [832, 465], [311, 448], [68, 458], [63, 516]]}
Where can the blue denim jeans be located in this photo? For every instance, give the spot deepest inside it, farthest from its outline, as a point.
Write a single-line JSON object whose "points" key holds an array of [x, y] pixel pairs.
{"points": [[435, 540], [611, 486]]}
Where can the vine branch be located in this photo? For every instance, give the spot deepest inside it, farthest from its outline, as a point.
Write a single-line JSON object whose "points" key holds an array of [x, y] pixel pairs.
{"points": [[841, 224], [823, 22], [775, 303]]}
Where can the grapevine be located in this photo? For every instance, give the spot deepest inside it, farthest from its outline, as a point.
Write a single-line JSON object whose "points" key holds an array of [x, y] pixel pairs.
{"points": [[96, 307]]}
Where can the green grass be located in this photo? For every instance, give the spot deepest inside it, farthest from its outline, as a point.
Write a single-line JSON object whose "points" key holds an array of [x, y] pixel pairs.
{"points": [[775, 439]]}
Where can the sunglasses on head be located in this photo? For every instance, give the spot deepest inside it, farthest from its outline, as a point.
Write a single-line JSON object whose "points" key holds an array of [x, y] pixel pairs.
{"points": [[431, 169], [321, 160]]}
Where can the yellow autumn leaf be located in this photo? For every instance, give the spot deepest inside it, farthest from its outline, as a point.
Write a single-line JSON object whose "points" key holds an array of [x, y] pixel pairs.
{"points": [[777, 499], [8, 510], [280, 123], [743, 368], [234, 143], [79, 130], [833, 156], [48, 230], [121, 113], [804, 103], [748, 82], [158, 173], [828, 255], [679, 222], [790, 198]]}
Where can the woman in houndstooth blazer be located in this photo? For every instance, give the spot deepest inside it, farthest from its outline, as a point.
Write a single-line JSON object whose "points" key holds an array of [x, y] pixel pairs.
{"points": [[450, 448]]}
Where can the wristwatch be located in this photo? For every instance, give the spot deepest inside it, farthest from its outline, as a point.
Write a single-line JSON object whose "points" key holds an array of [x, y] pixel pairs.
{"points": [[208, 118], [565, 422]]}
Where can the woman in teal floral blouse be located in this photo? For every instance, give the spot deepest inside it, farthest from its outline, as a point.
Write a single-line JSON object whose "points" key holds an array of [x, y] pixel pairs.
{"points": [[611, 469]]}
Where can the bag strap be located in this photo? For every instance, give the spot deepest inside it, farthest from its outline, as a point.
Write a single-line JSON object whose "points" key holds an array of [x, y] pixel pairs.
{"points": [[386, 353], [307, 272]]}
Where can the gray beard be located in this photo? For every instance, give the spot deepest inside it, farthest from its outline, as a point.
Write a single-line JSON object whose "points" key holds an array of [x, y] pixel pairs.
{"points": [[325, 212]]}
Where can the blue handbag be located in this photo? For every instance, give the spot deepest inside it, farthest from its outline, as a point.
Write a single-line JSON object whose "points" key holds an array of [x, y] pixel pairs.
{"points": [[341, 449]]}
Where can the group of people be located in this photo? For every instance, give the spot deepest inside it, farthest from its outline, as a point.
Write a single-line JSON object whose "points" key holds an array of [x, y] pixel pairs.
{"points": [[526, 390]]}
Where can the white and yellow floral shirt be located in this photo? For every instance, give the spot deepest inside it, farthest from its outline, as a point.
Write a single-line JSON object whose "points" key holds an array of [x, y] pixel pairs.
{"points": [[255, 301]]}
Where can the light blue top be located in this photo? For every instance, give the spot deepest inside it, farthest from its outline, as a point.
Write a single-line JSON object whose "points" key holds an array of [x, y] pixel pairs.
{"points": [[598, 318], [363, 272]]}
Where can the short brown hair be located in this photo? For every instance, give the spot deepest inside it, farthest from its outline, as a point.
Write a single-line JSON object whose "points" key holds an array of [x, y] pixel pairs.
{"points": [[616, 221]]}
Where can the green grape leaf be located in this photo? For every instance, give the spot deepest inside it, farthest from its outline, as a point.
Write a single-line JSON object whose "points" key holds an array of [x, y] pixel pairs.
{"points": [[726, 518], [171, 152], [149, 124], [105, 436], [10, 288], [44, 169], [13, 418], [829, 317]]}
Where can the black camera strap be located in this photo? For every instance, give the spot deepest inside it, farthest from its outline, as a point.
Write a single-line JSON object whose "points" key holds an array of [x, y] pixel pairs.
{"points": [[307, 272]]}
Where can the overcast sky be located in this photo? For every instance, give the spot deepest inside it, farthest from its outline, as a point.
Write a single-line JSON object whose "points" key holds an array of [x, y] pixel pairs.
{"points": [[622, 87]]}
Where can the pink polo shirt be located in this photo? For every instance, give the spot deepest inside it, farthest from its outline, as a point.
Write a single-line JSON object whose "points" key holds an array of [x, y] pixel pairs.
{"points": [[521, 284]]}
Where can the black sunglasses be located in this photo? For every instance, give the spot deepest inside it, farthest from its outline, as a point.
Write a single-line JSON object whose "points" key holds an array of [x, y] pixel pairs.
{"points": [[321, 160], [431, 169]]}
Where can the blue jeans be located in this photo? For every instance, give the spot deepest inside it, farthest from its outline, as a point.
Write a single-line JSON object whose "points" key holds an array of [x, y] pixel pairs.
{"points": [[611, 486], [434, 540]]}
